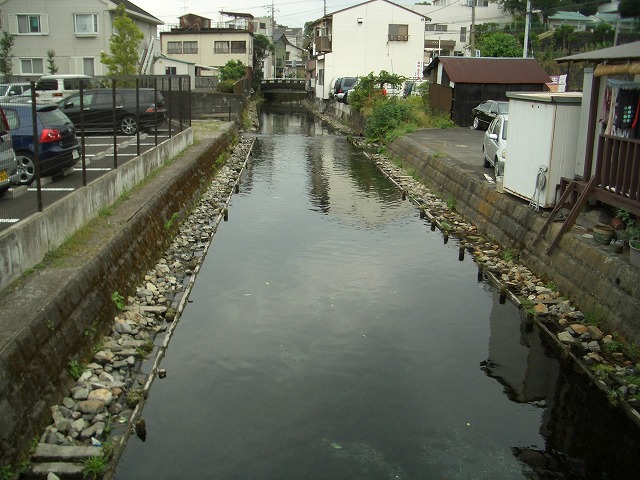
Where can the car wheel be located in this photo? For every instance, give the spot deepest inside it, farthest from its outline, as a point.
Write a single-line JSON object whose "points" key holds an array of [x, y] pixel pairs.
{"points": [[128, 125], [26, 168], [476, 123], [486, 163], [496, 167]]}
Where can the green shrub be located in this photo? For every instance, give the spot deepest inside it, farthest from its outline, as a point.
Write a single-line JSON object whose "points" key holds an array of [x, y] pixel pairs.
{"points": [[385, 117], [226, 86]]}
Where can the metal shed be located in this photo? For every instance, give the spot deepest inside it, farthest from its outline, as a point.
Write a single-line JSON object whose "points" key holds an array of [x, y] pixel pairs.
{"points": [[457, 84]]}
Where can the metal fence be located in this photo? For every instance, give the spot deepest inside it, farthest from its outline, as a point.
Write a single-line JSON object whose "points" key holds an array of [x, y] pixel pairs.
{"points": [[63, 140]]}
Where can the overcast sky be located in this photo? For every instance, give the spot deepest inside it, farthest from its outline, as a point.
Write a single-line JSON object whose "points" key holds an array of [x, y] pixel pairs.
{"points": [[292, 13]]}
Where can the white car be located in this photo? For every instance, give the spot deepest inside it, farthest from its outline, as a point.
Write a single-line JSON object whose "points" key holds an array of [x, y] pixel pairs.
{"points": [[494, 146]]}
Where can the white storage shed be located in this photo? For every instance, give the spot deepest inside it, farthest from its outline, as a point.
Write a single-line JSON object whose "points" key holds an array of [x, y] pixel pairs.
{"points": [[542, 141]]}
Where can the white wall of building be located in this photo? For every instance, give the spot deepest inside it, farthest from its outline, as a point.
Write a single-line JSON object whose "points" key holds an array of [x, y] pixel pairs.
{"points": [[451, 24], [360, 43], [206, 42]]}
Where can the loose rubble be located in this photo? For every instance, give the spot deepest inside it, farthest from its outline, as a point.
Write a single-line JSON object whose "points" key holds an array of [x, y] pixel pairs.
{"points": [[102, 407]]}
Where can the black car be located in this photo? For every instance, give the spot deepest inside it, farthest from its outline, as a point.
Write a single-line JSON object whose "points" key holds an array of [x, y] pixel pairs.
{"points": [[58, 145], [484, 113], [99, 111]]}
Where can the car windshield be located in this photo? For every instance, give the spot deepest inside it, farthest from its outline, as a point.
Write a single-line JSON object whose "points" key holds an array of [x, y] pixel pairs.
{"points": [[3, 89], [503, 107]]}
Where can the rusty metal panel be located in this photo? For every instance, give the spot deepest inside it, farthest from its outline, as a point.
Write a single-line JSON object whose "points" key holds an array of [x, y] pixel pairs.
{"points": [[493, 70], [440, 98]]}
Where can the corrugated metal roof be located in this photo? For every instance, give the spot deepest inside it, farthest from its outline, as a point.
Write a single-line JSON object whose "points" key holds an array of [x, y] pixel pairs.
{"points": [[491, 70], [626, 52], [573, 16]]}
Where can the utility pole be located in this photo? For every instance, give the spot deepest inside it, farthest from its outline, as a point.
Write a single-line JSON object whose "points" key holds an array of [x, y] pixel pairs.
{"points": [[324, 8], [472, 34], [525, 49]]}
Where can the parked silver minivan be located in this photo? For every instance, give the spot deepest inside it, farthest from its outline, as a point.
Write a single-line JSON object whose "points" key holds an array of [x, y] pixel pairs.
{"points": [[8, 163]]}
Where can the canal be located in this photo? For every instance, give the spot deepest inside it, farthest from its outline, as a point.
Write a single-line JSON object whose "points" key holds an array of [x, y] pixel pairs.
{"points": [[332, 335]]}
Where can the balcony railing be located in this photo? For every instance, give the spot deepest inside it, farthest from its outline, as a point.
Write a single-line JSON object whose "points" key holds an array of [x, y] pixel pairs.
{"points": [[618, 170], [322, 44]]}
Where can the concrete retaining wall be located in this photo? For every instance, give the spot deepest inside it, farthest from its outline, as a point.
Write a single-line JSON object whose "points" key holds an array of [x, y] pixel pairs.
{"points": [[24, 245], [599, 283], [62, 311]]}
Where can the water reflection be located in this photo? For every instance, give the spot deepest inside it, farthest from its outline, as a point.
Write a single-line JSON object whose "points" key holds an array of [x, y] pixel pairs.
{"points": [[332, 335], [585, 438]]}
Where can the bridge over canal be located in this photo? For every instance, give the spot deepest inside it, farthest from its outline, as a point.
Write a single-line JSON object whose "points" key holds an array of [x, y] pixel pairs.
{"points": [[283, 86]]}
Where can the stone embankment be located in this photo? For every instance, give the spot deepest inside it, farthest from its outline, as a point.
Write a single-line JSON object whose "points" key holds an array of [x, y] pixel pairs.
{"points": [[90, 426]]}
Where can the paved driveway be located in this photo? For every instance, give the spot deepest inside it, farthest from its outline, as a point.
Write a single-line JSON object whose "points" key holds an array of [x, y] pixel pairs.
{"points": [[461, 145]]}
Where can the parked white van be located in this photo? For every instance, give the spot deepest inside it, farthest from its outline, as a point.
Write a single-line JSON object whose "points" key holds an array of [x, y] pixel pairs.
{"points": [[53, 88]]}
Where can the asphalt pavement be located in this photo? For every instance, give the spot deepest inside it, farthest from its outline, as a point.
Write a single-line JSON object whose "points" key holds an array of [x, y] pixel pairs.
{"points": [[462, 145]]}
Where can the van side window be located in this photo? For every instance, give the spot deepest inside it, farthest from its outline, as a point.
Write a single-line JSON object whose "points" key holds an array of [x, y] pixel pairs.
{"points": [[47, 85]]}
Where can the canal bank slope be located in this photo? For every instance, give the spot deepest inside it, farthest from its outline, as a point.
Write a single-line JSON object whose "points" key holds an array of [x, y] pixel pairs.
{"points": [[52, 318], [601, 283]]}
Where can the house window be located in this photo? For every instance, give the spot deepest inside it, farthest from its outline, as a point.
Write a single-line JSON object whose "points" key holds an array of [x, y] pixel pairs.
{"points": [[398, 32], [174, 47], [170, 71], [190, 47], [32, 65], [263, 26], [85, 24], [463, 34], [29, 24], [435, 27], [238, 47], [88, 66], [220, 47]]}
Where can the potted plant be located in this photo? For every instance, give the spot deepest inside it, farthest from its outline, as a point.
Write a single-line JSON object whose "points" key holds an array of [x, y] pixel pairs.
{"points": [[632, 233]]}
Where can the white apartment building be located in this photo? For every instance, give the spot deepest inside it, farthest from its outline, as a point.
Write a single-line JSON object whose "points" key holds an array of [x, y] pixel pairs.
{"points": [[448, 33], [368, 37]]}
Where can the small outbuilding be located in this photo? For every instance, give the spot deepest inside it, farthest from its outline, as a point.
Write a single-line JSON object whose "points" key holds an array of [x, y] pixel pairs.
{"points": [[457, 84]]}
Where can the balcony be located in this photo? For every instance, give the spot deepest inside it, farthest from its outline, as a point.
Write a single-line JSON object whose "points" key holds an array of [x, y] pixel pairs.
{"points": [[322, 44]]}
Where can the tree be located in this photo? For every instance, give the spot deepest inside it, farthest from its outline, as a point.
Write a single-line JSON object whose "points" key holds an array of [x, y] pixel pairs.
{"points": [[51, 62], [262, 48], [6, 57], [629, 8], [123, 45], [549, 7], [233, 70], [564, 36], [500, 44]]}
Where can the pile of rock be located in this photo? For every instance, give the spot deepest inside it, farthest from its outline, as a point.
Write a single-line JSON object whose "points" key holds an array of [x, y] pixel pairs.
{"points": [[100, 407]]}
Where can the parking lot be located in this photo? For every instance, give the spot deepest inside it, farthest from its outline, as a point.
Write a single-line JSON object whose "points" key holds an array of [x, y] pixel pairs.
{"points": [[22, 201]]}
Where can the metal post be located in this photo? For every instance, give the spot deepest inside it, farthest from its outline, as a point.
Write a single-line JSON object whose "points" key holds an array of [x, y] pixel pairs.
{"points": [[115, 126], [155, 117], [36, 145], [138, 116], [82, 142], [180, 102], [170, 103]]}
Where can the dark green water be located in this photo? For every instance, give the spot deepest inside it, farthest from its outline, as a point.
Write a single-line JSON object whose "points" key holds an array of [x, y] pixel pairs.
{"points": [[331, 335]]}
